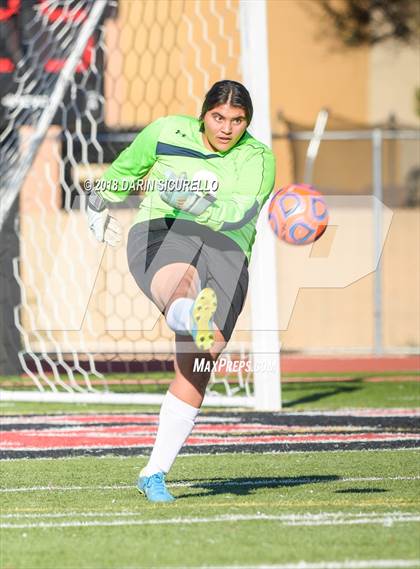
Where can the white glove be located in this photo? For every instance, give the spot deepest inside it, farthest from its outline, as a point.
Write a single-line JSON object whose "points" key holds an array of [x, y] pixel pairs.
{"points": [[194, 202], [105, 228]]}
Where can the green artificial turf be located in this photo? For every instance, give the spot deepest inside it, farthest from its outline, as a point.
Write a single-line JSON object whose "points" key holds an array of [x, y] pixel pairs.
{"points": [[356, 392], [206, 527], [352, 393]]}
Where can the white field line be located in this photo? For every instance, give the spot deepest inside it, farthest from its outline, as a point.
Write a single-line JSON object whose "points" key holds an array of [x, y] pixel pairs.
{"points": [[347, 564], [282, 481], [324, 519], [281, 517]]}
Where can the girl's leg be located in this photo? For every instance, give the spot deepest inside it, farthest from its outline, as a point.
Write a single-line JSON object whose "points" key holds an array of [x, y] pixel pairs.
{"points": [[181, 405], [172, 282], [173, 286]]}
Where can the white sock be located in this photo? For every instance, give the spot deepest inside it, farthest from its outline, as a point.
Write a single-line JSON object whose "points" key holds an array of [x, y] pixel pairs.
{"points": [[178, 315], [176, 421]]}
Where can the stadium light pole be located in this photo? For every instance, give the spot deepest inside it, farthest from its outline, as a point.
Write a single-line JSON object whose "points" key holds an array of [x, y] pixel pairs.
{"points": [[263, 290], [378, 229]]}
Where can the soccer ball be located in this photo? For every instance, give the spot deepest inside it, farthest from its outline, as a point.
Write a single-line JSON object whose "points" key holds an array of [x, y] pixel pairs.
{"points": [[298, 214]]}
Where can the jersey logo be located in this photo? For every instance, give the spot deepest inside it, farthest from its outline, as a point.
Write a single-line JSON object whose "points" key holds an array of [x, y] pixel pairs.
{"points": [[181, 133]]}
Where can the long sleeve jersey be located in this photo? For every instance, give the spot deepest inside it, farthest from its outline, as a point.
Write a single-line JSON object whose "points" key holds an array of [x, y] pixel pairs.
{"points": [[173, 146]]}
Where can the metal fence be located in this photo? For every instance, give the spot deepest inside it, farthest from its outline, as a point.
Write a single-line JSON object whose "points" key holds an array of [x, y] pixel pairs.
{"points": [[379, 161]]}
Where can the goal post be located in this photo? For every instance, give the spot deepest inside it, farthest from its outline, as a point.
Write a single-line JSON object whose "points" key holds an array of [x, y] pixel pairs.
{"points": [[110, 69], [264, 309]]}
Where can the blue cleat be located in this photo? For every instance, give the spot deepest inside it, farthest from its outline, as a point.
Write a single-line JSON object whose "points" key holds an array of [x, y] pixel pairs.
{"points": [[154, 488], [202, 312]]}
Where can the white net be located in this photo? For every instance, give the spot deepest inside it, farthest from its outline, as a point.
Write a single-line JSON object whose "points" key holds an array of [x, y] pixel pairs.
{"points": [[81, 313]]}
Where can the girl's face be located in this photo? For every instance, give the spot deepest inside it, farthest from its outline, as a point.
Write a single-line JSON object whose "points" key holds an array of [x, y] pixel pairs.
{"points": [[223, 127]]}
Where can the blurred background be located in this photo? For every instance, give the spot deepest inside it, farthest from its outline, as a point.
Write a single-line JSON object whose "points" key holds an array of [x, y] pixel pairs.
{"points": [[67, 306]]}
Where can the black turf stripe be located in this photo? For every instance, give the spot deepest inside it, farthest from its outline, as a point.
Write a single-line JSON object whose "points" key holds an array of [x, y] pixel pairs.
{"points": [[214, 449]]}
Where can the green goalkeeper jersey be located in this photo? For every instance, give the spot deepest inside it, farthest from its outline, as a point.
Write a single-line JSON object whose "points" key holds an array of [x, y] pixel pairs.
{"points": [[173, 147]]}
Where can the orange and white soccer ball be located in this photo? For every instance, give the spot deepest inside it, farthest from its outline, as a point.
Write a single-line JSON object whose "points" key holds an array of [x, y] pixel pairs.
{"points": [[298, 214]]}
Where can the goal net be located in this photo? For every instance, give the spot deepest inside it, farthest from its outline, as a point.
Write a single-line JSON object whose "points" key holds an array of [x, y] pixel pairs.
{"points": [[84, 78]]}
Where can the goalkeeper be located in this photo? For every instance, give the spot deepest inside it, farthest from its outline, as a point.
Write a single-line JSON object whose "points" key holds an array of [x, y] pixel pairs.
{"points": [[205, 181]]}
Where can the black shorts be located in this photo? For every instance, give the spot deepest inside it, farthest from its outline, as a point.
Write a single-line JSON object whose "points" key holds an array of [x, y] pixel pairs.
{"points": [[220, 262]]}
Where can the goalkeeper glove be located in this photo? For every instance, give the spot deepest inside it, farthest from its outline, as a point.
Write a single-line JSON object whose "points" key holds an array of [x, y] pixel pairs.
{"points": [[194, 202], [104, 227]]}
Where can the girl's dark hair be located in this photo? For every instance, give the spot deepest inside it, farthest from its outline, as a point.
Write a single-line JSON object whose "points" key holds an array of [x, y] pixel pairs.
{"points": [[230, 92]]}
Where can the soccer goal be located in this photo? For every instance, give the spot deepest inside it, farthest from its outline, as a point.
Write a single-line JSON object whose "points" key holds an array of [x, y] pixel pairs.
{"points": [[85, 78]]}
